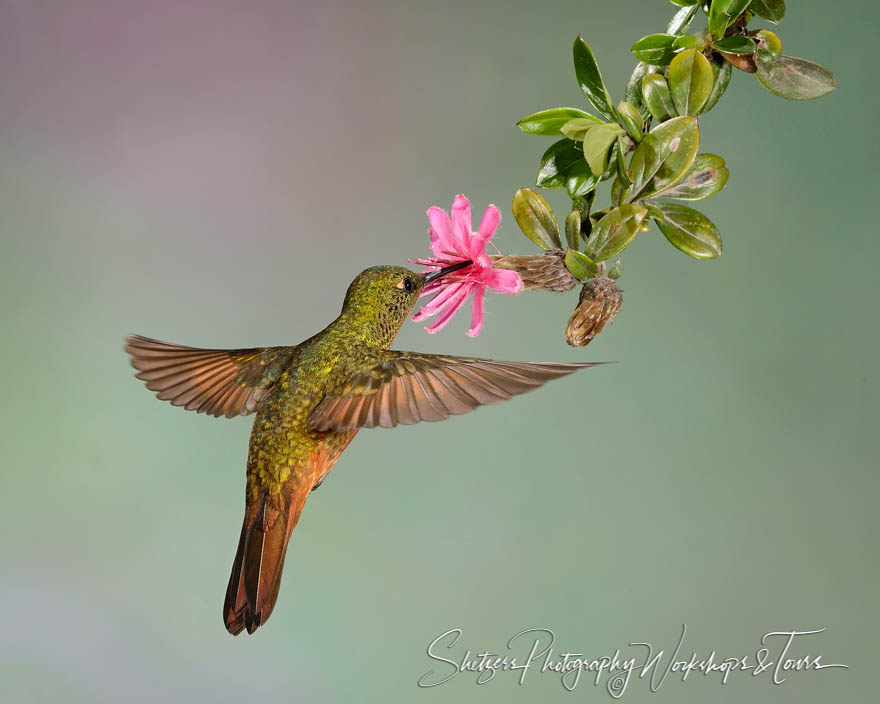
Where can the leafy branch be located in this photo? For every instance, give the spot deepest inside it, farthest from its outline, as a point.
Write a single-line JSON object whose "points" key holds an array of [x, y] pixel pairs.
{"points": [[648, 144]]}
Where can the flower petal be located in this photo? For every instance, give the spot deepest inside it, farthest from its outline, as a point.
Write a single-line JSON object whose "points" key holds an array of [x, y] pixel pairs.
{"points": [[477, 313], [504, 281], [452, 305], [488, 225], [442, 237], [490, 220], [462, 224], [453, 240], [436, 303]]}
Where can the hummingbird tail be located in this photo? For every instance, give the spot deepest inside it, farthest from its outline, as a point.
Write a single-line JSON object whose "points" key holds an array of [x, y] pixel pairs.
{"points": [[268, 522], [256, 571]]}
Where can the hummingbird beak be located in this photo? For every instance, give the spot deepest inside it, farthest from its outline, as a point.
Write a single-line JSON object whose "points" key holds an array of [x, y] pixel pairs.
{"points": [[447, 270]]}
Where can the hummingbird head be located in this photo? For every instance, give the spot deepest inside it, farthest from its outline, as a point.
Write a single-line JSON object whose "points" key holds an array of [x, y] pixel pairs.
{"points": [[380, 299]]}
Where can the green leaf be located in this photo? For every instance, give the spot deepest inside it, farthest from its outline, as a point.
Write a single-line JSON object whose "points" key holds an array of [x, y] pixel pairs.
{"points": [[548, 123], [620, 158], [773, 10], [615, 231], [654, 49], [590, 80], [584, 204], [653, 210], [573, 229], [704, 179], [664, 157], [736, 45], [597, 215], [690, 81], [576, 128], [722, 13], [615, 271], [580, 265], [681, 20], [597, 143], [721, 73], [631, 119], [796, 79], [633, 92], [655, 93], [689, 230], [579, 181], [684, 3], [617, 190], [556, 162], [536, 219], [769, 46], [688, 41]]}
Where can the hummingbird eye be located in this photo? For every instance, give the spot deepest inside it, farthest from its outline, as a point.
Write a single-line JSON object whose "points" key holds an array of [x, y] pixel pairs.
{"points": [[408, 285]]}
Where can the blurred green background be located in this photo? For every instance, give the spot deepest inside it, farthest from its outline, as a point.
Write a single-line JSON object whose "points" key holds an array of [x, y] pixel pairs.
{"points": [[215, 174]]}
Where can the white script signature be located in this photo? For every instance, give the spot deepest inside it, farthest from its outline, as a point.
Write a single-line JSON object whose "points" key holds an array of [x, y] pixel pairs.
{"points": [[534, 650]]}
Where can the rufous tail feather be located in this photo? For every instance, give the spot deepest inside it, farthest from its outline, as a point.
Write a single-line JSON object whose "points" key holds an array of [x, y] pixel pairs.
{"points": [[259, 560]]}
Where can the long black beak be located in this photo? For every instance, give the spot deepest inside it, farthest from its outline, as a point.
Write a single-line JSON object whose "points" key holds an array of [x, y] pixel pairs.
{"points": [[447, 270]]}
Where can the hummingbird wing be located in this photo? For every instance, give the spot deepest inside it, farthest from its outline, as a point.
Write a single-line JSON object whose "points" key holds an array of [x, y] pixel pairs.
{"points": [[408, 387], [219, 382]]}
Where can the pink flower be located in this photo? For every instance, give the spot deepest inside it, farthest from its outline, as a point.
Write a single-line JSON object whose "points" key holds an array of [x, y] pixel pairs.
{"points": [[452, 241]]}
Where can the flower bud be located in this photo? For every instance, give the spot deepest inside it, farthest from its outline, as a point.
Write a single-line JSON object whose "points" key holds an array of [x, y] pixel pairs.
{"points": [[542, 272], [599, 302]]}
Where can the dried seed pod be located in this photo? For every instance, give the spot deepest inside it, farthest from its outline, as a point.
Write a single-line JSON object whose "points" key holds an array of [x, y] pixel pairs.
{"points": [[542, 272], [599, 302]]}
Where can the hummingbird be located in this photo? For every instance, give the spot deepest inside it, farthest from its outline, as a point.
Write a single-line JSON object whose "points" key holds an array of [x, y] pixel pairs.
{"points": [[310, 401]]}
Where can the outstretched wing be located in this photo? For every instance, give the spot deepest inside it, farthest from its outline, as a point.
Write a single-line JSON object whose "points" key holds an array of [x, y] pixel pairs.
{"points": [[219, 382], [407, 387]]}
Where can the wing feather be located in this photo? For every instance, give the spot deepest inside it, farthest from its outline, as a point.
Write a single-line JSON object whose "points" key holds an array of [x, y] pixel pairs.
{"points": [[406, 388], [430, 406], [220, 382]]}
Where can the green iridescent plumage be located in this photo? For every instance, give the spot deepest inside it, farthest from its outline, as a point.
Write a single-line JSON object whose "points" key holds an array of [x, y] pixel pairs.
{"points": [[310, 401]]}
